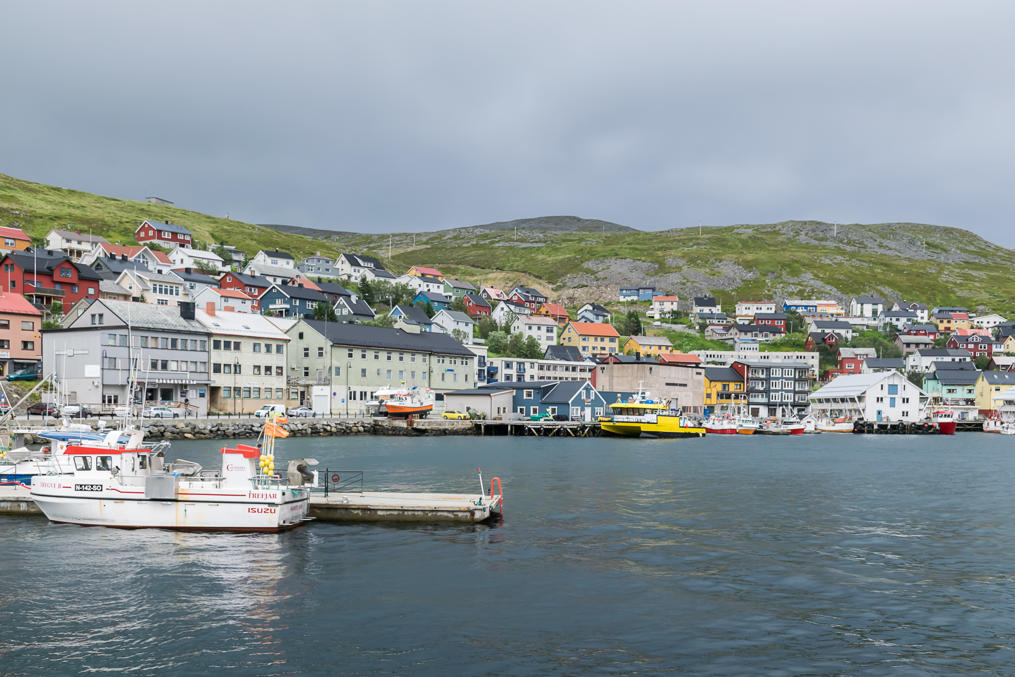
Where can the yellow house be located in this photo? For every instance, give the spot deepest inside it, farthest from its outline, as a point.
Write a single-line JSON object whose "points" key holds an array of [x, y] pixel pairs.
{"points": [[647, 345], [948, 323], [14, 239], [1008, 346], [420, 271], [989, 386], [590, 338], [724, 386]]}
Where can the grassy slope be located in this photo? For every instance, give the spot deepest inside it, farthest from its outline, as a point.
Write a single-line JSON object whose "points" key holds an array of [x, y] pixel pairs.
{"points": [[38, 208], [785, 263]]}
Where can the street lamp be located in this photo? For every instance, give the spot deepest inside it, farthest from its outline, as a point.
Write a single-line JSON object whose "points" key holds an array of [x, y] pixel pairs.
{"points": [[236, 366]]}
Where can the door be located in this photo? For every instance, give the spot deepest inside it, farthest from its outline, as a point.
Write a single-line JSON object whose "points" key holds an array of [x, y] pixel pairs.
{"points": [[879, 415]]}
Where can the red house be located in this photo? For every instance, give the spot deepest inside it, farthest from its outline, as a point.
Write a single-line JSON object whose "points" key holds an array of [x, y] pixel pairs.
{"points": [[476, 305], [777, 320], [977, 344], [252, 285], [168, 234], [818, 338], [528, 297], [929, 330], [47, 276]]}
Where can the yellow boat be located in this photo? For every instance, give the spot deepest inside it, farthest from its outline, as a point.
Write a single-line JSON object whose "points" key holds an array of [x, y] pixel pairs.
{"points": [[645, 419]]}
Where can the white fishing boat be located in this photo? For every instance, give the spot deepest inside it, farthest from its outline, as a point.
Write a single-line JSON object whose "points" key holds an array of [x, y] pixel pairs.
{"points": [[136, 488], [1007, 428], [841, 424]]}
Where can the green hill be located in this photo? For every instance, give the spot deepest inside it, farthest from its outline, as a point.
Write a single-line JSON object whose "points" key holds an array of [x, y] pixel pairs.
{"points": [[578, 259]]}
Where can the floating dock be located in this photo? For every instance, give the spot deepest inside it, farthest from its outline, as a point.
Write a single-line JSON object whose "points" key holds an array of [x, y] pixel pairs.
{"points": [[348, 506]]}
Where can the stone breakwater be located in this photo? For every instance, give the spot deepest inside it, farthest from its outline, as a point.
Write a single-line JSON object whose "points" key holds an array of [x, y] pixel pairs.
{"points": [[208, 429]]}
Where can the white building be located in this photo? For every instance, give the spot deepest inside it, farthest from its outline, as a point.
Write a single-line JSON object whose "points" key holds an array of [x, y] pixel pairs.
{"points": [[154, 288], [988, 321], [74, 244], [866, 306], [185, 257], [354, 266], [922, 314], [232, 300], [746, 310], [750, 353], [880, 396], [662, 306], [896, 318], [922, 361], [454, 323], [247, 360], [543, 329], [506, 311], [519, 369]]}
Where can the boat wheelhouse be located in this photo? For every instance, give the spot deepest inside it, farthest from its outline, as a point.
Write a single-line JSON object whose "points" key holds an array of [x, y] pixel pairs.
{"points": [[643, 417]]}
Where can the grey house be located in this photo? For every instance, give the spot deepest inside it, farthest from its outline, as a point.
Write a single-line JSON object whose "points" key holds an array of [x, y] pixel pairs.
{"points": [[93, 356]]}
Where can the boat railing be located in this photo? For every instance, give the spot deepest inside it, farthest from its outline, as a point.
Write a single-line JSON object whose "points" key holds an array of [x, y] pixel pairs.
{"points": [[342, 480]]}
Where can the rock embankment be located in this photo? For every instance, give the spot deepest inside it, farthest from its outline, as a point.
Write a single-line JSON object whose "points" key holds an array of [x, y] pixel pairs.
{"points": [[207, 429]]}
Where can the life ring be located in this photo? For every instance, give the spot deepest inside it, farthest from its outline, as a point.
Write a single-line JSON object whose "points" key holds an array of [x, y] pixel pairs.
{"points": [[335, 477]]}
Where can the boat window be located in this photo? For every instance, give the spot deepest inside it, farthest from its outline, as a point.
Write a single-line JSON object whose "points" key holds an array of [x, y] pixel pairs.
{"points": [[142, 461], [104, 463], [82, 463]]}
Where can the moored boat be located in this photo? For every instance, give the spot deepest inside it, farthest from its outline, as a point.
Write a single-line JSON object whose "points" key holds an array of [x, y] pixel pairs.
{"points": [[842, 424], [945, 421], [721, 424], [405, 403], [642, 417], [135, 488]]}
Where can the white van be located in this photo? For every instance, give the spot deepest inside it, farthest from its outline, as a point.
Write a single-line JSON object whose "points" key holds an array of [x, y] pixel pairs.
{"points": [[270, 409]]}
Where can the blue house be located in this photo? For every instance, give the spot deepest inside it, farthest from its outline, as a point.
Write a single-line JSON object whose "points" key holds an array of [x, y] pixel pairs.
{"points": [[437, 301], [637, 293], [287, 301], [577, 400]]}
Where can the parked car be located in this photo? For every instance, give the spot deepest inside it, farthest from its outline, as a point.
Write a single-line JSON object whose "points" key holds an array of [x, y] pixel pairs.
{"points": [[269, 409], [159, 412], [304, 412], [43, 409], [454, 415], [24, 375], [75, 411]]}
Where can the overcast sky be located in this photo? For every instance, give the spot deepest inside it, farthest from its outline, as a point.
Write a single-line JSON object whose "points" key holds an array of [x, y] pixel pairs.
{"points": [[380, 116]]}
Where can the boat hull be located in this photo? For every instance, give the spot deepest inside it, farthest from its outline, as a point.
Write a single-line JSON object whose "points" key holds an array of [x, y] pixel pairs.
{"points": [[659, 429], [252, 512], [403, 411], [720, 431], [746, 431], [946, 427]]}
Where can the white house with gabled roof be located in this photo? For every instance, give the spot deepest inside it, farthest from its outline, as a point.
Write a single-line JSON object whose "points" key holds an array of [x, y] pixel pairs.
{"points": [[879, 396]]}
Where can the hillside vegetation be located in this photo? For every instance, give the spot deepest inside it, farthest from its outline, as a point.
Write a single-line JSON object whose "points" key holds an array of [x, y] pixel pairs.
{"points": [[576, 259]]}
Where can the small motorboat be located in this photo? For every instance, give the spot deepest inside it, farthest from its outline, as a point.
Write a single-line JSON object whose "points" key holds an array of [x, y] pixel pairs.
{"points": [[841, 424], [721, 424]]}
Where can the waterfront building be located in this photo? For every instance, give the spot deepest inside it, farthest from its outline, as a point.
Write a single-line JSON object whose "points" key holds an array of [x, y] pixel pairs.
{"points": [[953, 385], [353, 361], [680, 385], [724, 388], [110, 345], [877, 396], [989, 387], [525, 369], [576, 400], [247, 361], [775, 387], [748, 351]]}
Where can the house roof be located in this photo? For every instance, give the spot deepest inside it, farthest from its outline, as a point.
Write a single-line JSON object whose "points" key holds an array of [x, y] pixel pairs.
{"points": [[678, 358], [47, 260], [650, 340], [515, 385], [17, 304], [495, 292], [868, 298], [363, 261], [820, 336], [194, 276], [150, 316], [914, 339], [852, 353], [14, 233], [832, 324], [232, 293], [899, 313], [704, 301], [358, 307], [120, 250], [300, 292], [423, 270], [250, 280], [459, 284], [456, 315], [956, 377], [333, 288], [380, 272], [537, 320], [267, 269], [239, 324], [966, 365], [913, 305], [489, 391], [661, 298], [434, 297], [596, 308], [567, 353], [850, 385], [594, 329], [83, 237], [111, 287], [770, 316], [477, 300], [563, 392], [997, 378], [412, 314], [722, 374], [942, 352], [169, 227], [384, 337], [555, 309], [528, 291], [197, 254], [885, 363], [920, 327], [275, 253]]}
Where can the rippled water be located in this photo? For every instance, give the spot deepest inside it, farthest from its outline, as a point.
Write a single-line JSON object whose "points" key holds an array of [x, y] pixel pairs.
{"points": [[812, 555]]}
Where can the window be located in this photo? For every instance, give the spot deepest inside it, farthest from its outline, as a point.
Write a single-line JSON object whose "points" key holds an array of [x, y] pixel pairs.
{"points": [[246, 393], [306, 372], [66, 273], [320, 351], [227, 393], [257, 393], [28, 345], [257, 347], [104, 463], [338, 371], [306, 352], [527, 394], [279, 393], [362, 373], [82, 463], [257, 370], [227, 368]]}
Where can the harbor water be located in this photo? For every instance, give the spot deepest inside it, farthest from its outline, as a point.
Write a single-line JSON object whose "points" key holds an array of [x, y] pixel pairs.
{"points": [[725, 555]]}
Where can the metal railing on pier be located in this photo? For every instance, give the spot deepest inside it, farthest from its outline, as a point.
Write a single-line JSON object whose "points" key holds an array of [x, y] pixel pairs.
{"points": [[340, 480]]}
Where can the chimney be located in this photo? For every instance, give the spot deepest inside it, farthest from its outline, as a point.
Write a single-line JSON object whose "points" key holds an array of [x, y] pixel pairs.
{"points": [[186, 309], [209, 308]]}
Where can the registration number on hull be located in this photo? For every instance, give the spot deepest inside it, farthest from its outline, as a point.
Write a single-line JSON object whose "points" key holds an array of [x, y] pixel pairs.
{"points": [[87, 487]]}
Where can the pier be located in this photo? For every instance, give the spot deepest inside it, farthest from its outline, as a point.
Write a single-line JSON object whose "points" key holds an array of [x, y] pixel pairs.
{"points": [[538, 428]]}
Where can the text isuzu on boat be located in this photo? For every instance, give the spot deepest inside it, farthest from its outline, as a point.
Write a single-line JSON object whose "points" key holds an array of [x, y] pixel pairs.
{"points": [[134, 488]]}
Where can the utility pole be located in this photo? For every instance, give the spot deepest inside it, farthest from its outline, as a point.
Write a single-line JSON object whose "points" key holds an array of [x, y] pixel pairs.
{"points": [[389, 248]]}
